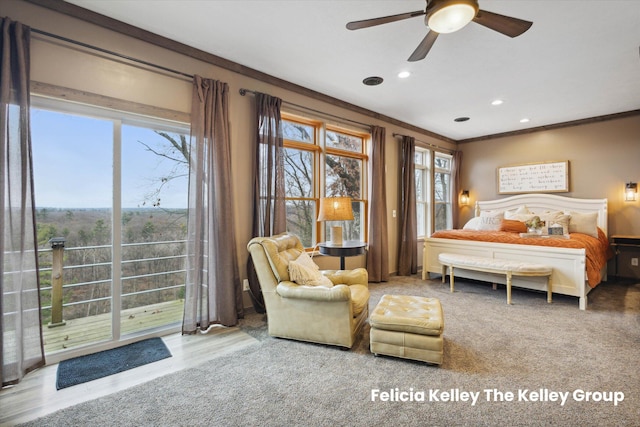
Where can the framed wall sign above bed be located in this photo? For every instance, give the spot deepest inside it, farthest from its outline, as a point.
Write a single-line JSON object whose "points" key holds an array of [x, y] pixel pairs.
{"points": [[545, 177]]}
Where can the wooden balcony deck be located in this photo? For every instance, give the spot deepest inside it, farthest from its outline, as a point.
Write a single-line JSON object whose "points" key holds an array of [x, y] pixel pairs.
{"points": [[92, 329]]}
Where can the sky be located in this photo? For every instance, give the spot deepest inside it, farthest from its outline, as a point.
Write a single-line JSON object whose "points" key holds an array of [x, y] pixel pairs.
{"points": [[73, 164]]}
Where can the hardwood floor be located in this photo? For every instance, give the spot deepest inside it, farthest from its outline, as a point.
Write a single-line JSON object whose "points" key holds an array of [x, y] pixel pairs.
{"points": [[93, 329], [36, 395]]}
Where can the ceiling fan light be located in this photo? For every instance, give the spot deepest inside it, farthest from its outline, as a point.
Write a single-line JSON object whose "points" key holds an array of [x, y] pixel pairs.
{"points": [[450, 16]]}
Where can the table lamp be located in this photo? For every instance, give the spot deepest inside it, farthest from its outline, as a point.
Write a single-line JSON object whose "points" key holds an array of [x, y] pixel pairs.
{"points": [[335, 209]]}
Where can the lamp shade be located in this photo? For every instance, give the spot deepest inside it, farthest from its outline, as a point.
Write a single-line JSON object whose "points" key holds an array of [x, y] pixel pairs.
{"points": [[335, 209]]}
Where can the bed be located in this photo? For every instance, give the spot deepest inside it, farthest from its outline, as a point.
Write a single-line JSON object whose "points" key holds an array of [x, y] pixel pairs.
{"points": [[578, 257]]}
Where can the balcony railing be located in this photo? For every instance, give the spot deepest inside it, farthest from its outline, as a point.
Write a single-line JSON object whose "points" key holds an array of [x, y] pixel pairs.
{"points": [[76, 282]]}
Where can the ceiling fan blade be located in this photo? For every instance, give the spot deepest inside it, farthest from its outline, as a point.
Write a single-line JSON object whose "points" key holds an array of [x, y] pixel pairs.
{"points": [[424, 47], [365, 23], [506, 25]]}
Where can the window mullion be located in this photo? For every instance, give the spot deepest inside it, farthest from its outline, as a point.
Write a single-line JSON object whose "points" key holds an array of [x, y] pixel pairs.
{"points": [[320, 179], [343, 153], [116, 227]]}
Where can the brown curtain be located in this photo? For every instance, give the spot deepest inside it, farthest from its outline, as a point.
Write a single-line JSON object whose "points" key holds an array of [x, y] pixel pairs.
{"points": [[269, 215], [21, 348], [213, 289], [378, 254], [455, 175], [408, 247]]}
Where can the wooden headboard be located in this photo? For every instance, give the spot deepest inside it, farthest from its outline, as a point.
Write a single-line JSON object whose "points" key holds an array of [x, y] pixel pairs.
{"points": [[542, 202]]}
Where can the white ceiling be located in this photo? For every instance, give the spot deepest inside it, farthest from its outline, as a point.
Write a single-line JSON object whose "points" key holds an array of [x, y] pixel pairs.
{"points": [[580, 59]]}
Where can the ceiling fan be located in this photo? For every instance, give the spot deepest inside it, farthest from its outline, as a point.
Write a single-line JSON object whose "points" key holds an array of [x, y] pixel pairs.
{"points": [[447, 16]]}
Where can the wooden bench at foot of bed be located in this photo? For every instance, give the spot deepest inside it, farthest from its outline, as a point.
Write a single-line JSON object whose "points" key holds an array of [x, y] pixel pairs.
{"points": [[494, 265]]}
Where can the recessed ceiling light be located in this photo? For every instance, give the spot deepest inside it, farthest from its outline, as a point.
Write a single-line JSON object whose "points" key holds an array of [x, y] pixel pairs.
{"points": [[525, 120], [404, 74], [497, 102], [461, 119], [373, 81]]}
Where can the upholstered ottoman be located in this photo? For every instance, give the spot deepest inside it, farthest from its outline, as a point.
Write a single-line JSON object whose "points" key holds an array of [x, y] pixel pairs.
{"points": [[409, 327]]}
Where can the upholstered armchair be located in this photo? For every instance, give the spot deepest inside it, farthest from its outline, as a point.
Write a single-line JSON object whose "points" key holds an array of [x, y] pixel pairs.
{"points": [[328, 315]]}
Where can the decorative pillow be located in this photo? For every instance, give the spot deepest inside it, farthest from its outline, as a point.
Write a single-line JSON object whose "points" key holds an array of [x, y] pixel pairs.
{"points": [[304, 271], [520, 217], [472, 224], [490, 220], [555, 219], [585, 223], [513, 226], [521, 214], [516, 213]]}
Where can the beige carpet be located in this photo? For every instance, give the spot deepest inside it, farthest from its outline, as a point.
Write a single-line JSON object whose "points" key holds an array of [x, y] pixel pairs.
{"points": [[535, 350]]}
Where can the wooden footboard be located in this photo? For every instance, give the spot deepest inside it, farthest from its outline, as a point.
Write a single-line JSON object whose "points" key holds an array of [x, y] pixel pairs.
{"points": [[568, 278]]}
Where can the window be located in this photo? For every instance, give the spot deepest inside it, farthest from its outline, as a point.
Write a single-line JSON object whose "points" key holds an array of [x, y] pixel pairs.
{"points": [[344, 166], [300, 177], [422, 162], [114, 186], [322, 160], [442, 191]]}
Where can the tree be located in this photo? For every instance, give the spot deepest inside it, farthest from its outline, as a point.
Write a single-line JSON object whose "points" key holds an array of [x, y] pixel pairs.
{"points": [[343, 177], [101, 232], [343, 173], [148, 231], [177, 151], [45, 232]]}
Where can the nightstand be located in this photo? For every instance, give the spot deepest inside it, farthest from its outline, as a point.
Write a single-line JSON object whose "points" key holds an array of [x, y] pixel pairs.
{"points": [[624, 244]]}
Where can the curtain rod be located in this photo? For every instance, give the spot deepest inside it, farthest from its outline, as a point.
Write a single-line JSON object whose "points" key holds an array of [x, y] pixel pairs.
{"points": [[244, 91], [109, 52], [428, 143]]}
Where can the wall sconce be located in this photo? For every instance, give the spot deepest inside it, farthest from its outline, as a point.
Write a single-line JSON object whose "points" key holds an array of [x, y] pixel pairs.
{"points": [[464, 198], [630, 191]]}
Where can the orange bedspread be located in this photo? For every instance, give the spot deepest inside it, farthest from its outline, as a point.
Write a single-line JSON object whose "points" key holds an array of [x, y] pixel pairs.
{"points": [[597, 251]]}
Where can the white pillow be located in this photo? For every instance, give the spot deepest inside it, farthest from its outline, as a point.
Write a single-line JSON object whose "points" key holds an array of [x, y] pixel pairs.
{"points": [[585, 223], [522, 214], [515, 213], [520, 217], [490, 220], [305, 272], [472, 224]]}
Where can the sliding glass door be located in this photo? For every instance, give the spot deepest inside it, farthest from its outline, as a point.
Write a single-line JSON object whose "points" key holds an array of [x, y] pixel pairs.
{"points": [[111, 200], [153, 224]]}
